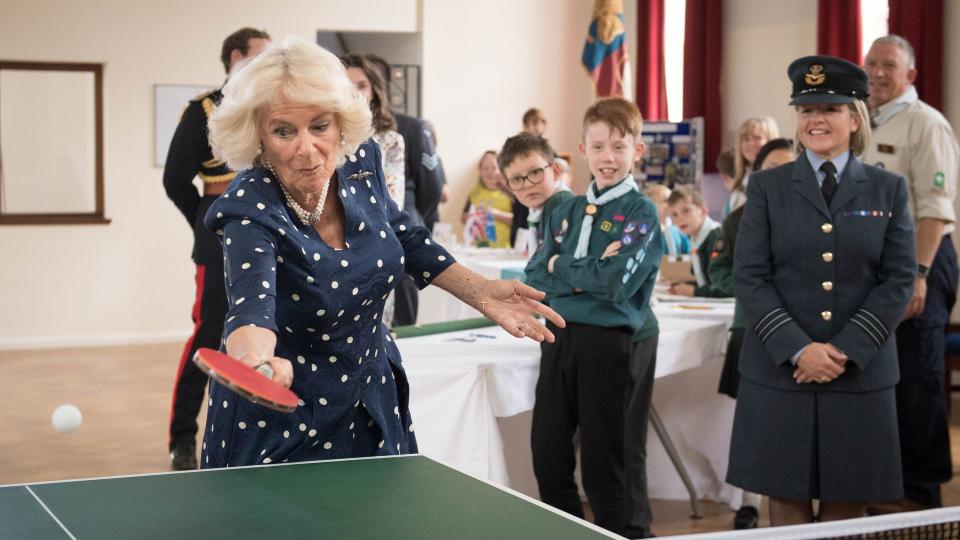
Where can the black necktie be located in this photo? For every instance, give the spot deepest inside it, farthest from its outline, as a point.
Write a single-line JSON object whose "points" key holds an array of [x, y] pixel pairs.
{"points": [[829, 185]]}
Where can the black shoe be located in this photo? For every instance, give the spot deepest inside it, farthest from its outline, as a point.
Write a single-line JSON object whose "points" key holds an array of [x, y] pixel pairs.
{"points": [[746, 518], [183, 457]]}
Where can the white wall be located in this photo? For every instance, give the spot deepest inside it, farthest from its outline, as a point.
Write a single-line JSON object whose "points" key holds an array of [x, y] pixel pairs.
{"points": [[520, 55], [132, 280], [760, 41], [484, 64]]}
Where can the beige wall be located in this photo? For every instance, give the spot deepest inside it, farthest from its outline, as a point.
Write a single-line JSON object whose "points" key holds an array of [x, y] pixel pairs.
{"points": [[760, 40], [476, 95], [132, 280]]}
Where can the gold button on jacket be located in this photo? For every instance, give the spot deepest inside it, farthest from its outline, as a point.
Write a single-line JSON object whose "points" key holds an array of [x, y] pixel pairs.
{"points": [[827, 256], [827, 228], [827, 286], [826, 315]]}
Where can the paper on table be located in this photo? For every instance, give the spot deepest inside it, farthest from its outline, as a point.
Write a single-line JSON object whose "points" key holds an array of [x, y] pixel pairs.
{"points": [[676, 268]]}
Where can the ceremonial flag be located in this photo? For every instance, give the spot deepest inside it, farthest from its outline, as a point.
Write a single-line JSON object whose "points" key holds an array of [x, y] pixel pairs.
{"points": [[605, 51]]}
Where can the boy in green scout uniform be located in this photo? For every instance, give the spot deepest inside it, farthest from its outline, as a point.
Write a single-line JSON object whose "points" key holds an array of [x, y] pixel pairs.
{"points": [[689, 213], [598, 264], [528, 164]]}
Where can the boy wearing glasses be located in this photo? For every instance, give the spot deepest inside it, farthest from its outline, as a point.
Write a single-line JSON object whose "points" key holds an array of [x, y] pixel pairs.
{"points": [[598, 264], [529, 166]]}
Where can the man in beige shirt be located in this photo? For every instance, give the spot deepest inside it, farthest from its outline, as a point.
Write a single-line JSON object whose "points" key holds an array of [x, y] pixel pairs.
{"points": [[913, 139]]}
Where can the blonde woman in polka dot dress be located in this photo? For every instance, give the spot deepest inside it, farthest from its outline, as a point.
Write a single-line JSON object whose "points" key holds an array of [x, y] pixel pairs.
{"points": [[312, 246]]}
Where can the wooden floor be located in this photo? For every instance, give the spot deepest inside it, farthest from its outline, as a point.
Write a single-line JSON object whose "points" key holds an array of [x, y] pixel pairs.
{"points": [[124, 395]]}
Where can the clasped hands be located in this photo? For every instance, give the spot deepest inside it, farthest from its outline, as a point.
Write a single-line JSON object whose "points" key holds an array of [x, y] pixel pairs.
{"points": [[820, 363]]}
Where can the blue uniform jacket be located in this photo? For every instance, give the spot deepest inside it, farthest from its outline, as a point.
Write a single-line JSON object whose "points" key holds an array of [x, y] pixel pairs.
{"points": [[806, 273]]}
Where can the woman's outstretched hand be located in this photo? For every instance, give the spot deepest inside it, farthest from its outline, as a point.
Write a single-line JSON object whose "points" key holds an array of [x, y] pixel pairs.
{"points": [[514, 305]]}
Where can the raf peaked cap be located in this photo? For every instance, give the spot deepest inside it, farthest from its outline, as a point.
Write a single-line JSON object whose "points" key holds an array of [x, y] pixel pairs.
{"points": [[826, 79]]}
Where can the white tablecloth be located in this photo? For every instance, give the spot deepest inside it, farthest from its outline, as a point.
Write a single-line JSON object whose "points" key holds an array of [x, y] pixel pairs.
{"points": [[459, 389], [695, 308], [436, 305]]}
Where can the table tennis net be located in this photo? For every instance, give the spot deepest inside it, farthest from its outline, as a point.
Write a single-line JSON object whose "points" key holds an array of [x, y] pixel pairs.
{"points": [[938, 524]]}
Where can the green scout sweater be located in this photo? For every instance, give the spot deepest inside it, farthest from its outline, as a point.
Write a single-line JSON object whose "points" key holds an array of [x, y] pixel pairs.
{"points": [[553, 202], [549, 206], [721, 262], [704, 253], [610, 292]]}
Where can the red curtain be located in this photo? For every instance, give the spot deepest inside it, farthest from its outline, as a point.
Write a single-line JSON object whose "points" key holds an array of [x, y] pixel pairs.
{"points": [[702, 68], [921, 23], [651, 74], [839, 30]]}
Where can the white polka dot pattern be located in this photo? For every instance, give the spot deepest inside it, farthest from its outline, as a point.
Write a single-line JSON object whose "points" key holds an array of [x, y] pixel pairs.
{"points": [[276, 275]]}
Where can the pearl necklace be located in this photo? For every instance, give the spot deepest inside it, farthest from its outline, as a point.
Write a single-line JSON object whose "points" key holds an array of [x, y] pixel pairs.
{"points": [[309, 218]]}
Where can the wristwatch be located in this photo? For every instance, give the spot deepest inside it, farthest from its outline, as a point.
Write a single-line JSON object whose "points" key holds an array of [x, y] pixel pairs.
{"points": [[923, 271]]}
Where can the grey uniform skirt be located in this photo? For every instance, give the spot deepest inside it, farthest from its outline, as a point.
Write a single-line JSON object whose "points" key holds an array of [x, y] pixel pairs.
{"points": [[831, 446]]}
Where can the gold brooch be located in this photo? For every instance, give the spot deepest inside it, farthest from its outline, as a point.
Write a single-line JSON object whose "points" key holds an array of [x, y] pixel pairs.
{"points": [[359, 175], [591, 209], [816, 76]]}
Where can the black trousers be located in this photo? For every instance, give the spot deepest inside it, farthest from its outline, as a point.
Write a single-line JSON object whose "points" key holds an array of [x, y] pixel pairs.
{"points": [[209, 312], [406, 302], [596, 379], [921, 400]]}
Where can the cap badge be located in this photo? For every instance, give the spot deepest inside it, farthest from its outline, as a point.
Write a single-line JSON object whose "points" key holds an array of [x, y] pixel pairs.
{"points": [[816, 76]]}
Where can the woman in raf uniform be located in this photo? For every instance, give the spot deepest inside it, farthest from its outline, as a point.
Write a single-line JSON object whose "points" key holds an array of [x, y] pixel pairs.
{"points": [[824, 266]]}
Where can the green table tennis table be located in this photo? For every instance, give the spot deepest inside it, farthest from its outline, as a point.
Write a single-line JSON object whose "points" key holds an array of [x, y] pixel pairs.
{"points": [[392, 497]]}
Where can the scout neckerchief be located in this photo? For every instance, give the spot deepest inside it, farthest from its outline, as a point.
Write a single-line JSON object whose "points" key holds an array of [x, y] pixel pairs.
{"points": [[671, 241], [889, 110], [593, 201], [707, 226], [533, 223]]}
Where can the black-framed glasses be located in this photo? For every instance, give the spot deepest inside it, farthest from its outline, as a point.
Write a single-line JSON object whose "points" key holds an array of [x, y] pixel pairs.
{"points": [[534, 177]]}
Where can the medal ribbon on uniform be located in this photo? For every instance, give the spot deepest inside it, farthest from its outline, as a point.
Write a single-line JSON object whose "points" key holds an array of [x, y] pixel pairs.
{"points": [[625, 186]]}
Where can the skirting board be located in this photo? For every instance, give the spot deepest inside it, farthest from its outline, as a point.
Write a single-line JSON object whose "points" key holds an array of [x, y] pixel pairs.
{"points": [[90, 340]]}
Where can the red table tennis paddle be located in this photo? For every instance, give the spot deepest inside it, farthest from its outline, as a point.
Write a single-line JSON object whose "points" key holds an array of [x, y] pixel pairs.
{"points": [[250, 383]]}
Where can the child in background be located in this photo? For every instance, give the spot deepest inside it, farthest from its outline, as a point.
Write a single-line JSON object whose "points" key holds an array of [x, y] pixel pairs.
{"points": [[531, 169], [534, 122], [689, 213], [598, 264], [674, 242], [490, 204]]}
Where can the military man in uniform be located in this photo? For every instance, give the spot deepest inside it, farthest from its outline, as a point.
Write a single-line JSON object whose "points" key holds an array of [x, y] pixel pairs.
{"points": [[190, 156], [912, 139]]}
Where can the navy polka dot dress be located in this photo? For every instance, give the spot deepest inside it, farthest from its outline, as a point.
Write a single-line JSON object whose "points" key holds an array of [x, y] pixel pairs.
{"points": [[325, 306]]}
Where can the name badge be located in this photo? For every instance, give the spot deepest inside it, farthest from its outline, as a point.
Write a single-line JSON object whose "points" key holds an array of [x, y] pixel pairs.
{"points": [[885, 148]]}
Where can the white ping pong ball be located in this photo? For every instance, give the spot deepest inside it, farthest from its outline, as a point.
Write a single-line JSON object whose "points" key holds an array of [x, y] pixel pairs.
{"points": [[66, 418]]}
